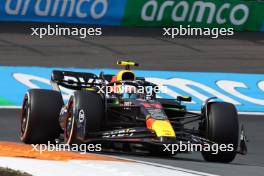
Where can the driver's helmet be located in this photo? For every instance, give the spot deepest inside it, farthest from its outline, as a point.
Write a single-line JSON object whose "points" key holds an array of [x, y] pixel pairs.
{"points": [[124, 75]]}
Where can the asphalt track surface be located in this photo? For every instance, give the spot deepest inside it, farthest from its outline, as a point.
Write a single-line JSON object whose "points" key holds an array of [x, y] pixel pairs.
{"points": [[242, 53]]}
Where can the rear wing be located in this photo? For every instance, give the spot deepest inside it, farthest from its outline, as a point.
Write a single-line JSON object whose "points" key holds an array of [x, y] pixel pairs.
{"points": [[75, 80]]}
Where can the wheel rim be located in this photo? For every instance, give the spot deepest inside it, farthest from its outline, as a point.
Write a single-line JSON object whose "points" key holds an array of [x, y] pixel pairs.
{"points": [[24, 117], [69, 124]]}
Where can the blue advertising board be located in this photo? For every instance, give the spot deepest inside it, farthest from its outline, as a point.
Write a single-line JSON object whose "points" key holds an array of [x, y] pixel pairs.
{"points": [[107, 12], [246, 91]]}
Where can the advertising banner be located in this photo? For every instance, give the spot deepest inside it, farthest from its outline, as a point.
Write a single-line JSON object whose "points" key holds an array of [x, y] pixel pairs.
{"points": [[240, 15], [106, 12], [245, 91]]}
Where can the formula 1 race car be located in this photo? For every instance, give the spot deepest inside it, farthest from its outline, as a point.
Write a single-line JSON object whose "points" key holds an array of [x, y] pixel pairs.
{"points": [[110, 110]]}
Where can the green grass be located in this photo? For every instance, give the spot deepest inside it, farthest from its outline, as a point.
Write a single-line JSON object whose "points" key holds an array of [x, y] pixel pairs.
{"points": [[11, 172]]}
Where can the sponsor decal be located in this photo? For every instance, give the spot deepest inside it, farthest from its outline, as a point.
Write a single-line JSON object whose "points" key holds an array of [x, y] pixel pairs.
{"points": [[148, 105], [245, 91], [119, 133], [157, 113], [81, 116]]}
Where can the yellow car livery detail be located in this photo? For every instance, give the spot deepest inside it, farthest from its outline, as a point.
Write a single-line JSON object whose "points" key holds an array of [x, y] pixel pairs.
{"points": [[127, 63], [88, 89], [163, 128]]}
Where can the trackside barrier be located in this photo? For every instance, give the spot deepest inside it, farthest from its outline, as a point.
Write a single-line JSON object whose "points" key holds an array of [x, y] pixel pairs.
{"points": [[238, 14], [246, 91]]}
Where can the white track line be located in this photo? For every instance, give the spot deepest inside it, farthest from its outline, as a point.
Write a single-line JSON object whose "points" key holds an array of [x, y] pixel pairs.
{"points": [[94, 168], [10, 107], [164, 166]]}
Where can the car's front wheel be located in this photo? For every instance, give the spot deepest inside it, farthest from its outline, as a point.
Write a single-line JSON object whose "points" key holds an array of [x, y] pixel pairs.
{"points": [[85, 111], [221, 126]]}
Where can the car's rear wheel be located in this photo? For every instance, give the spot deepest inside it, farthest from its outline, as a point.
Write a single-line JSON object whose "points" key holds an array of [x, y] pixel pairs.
{"points": [[39, 116], [70, 127], [221, 127]]}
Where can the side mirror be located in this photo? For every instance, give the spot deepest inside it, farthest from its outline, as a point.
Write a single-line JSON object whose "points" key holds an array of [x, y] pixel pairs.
{"points": [[184, 98]]}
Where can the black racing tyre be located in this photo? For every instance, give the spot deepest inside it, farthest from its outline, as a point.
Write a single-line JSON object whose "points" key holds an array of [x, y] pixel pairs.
{"points": [[39, 121], [221, 126], [85, 109]]}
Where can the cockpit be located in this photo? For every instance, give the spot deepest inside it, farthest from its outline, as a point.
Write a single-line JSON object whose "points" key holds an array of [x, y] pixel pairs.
{"points": [[125, 84]]}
